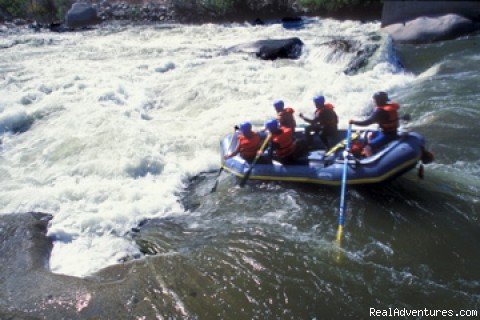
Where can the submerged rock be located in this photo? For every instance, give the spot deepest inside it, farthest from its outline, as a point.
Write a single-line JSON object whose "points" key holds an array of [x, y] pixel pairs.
{"points": [[430, 29], [362, 58], [363, 53]]}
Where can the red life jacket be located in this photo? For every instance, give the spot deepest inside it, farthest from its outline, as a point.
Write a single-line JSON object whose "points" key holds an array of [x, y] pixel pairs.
{"points": [[391, 123], [248, 146], [284, 142], [328, 107], [286, 119]]}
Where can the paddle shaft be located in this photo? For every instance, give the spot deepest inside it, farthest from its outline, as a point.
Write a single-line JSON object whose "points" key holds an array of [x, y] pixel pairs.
{"points": [[259, 153], [341, 217], [214, 188]]}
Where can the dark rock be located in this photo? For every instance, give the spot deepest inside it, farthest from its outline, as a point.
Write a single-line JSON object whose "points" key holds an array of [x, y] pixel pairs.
{"points": [[258, 22], [81, 15], [19, 22], [292, 22], [24, 244], [343, 45], [361, 59], [272, 49], [428, 29], [279, 49], [58, 27]]}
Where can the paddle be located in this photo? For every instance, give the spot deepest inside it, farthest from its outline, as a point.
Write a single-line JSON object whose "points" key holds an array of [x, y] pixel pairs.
{"points": [[221, 167], [259, 153], [341, 217]]}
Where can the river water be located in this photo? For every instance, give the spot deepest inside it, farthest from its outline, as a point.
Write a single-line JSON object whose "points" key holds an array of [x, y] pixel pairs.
{"points": [[107, 129]]}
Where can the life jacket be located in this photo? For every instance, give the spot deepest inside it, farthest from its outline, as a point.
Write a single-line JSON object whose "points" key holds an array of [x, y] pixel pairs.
{"points": [[391, 123], [286, 118], [327, 108], [284, 142], [248, 146]]}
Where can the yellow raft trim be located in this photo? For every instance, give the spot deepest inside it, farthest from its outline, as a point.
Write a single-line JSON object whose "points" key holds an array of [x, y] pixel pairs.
{"points": [[329, 182]]}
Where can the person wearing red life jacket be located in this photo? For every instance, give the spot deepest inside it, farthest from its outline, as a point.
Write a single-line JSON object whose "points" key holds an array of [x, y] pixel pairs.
{"points": [[325, 122], [285, 115], [386, 116], [248, 143], [283, 146]]}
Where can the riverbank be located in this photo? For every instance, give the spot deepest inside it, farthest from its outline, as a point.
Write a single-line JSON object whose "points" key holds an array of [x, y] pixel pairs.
{"points": [[192, 11]]}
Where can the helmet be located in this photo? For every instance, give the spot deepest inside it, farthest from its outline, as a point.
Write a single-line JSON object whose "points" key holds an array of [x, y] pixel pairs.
{"points": [[271, 125], [380, 98], [319, 100], [245, 127], [278, 105]]}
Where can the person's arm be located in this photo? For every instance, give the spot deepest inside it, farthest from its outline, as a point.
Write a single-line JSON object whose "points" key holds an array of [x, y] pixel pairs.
{"points": [[374, 118], [310, 121], [233, 153]]}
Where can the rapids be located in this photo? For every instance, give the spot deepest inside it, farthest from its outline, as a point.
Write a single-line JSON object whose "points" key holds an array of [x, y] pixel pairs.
{"points": [[105, 129]]}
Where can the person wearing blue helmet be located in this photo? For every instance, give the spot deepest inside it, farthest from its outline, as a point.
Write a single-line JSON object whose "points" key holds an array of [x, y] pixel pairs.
{"points": [[248, 143], [283, 146], [285, 115], [325, 122]]}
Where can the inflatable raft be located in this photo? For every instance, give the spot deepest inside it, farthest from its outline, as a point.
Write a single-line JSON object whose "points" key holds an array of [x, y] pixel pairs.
{"points": [[321, 166]]}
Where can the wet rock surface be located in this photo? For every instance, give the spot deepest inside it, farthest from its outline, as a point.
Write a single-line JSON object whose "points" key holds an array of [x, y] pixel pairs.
{"points": [[431, 29], [148, 287]]}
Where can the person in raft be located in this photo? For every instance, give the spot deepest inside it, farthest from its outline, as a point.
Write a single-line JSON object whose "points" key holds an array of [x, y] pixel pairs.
{"points": [[325, 121], [248, 143], [386, 116], [283, 147], [285, 115]]}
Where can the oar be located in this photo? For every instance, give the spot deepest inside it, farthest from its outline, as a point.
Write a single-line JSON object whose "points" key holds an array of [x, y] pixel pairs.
{"points": [[259, 153], [341, 216], [221, 167]]}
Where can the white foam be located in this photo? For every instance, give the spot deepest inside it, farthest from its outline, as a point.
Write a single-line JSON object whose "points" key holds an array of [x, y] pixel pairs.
{"points": [[121, 118]]}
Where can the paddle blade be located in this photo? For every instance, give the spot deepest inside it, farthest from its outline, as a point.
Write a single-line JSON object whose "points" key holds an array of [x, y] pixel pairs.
{"points": [[339, 235], [246, 177]]}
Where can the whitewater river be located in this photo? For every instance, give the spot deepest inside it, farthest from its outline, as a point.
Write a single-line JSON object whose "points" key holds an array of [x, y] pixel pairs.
{"points": [[106, 129]]}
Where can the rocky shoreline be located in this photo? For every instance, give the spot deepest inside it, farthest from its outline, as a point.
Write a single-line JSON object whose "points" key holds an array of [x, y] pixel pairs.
{"points": [[172, 11], [158, 11], [406, 21]]}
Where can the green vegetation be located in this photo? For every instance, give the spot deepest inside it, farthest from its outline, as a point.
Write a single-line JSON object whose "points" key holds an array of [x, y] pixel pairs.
{"points": [[236, 9], [40, 10], [334, 5]]}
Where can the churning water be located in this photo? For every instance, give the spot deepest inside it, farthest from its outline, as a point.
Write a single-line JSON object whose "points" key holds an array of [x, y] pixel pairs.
{"points": [[104, 129]]}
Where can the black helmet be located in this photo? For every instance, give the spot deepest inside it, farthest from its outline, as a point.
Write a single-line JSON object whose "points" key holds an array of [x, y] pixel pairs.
{"points": [[381, 98]]}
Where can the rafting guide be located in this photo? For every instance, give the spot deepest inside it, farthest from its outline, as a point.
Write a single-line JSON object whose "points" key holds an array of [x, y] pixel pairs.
{"points": [[386, 116]]}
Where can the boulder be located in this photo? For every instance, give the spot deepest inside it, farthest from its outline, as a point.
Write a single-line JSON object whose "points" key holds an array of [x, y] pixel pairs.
{"points": [[430, 29], [272, 49], [403, 11], [81, 15], [279, 49]]}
